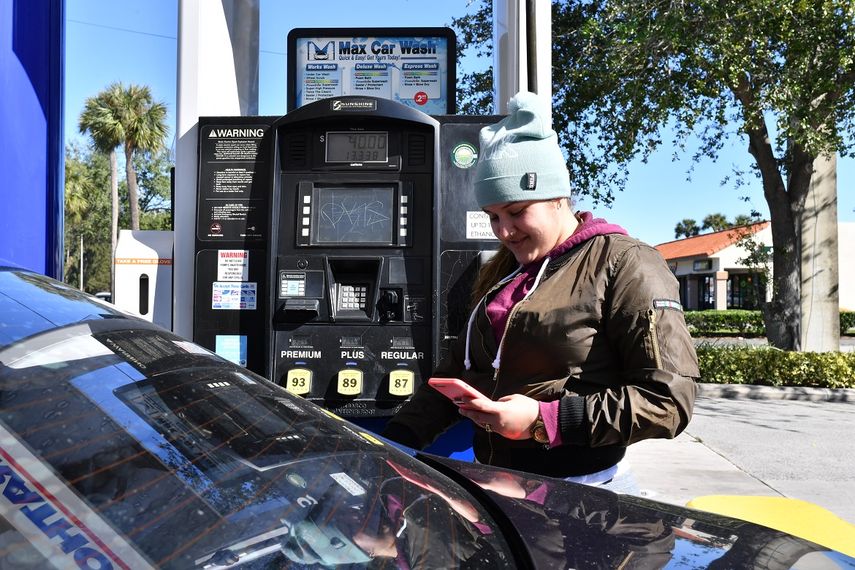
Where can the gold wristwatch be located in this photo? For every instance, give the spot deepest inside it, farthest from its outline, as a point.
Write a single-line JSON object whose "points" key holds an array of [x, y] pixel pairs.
{"points": [[538, 431]]}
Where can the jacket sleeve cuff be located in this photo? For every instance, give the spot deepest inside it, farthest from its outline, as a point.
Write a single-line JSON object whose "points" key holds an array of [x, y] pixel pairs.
{"points": [[549, 415], [402, 434], [572, 423]]}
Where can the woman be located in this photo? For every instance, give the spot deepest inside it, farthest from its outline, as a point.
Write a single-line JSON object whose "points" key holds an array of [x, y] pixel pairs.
{"points": [[577, 338]]}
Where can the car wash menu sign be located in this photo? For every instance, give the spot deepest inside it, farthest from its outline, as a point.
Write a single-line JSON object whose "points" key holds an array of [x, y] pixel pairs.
{"points": [[413, 66]]}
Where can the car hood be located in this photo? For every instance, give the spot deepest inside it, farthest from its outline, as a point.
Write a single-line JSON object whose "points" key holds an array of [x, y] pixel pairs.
{"points": [[567, 525]]}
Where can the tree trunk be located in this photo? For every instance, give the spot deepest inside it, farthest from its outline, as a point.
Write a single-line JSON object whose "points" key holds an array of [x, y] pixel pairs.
{"points": [[133, 194], [114, 220], [820, 306], [781, 315]]}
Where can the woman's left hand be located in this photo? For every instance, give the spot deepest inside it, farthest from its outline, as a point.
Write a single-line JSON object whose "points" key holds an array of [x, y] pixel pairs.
{"points": [[509, 416]]}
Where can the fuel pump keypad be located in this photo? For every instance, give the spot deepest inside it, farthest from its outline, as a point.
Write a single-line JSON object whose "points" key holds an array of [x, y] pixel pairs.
{"points": [[352, 297]]}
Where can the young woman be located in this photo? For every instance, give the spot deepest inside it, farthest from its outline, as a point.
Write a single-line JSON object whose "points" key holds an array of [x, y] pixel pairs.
{"points": [[577, 338]]}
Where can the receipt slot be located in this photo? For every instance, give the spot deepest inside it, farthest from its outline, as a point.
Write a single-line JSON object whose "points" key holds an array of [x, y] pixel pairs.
{"points": [[354, 202]]}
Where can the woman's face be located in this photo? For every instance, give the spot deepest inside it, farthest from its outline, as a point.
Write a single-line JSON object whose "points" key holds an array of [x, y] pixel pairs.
{"points": [[532, 228]]}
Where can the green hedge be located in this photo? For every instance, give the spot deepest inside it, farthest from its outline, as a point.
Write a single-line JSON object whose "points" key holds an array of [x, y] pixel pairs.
{"points": [[741, 322], [772, 367], [847, 321]]}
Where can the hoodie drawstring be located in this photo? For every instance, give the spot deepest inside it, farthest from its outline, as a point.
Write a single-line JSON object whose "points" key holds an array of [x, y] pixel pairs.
{"points": [[467, 362]]}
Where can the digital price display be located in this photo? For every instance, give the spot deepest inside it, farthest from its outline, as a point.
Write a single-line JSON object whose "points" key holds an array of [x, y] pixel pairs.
{"points": [[361, 146]]}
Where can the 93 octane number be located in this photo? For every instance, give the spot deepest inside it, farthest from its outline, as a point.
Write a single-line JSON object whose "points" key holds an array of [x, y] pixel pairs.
{"points": [[299, 381]]}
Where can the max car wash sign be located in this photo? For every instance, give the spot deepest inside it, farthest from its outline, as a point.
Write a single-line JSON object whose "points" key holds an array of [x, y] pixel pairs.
{"points": [[413, 66]]}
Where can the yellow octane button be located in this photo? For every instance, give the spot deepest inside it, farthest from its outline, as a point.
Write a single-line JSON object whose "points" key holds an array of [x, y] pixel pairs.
{"points": [[299, 381], [401, 382], [349, 382]]}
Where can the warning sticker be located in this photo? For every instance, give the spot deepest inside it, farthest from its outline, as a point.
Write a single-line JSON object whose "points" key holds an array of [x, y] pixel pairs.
{"points": [[234, 296], [478, 226], [232, 265]]}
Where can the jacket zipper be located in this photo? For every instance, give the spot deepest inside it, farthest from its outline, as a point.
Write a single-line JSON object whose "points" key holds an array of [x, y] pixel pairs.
{"points": [[490, 433], [496, 372], [654, 339]]}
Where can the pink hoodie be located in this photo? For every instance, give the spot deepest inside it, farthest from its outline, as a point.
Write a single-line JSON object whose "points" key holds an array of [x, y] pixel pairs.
{"points": [[499, 309]]}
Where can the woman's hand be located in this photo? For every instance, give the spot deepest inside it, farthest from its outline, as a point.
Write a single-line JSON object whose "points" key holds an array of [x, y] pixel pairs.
{"points": [[509, 416]]}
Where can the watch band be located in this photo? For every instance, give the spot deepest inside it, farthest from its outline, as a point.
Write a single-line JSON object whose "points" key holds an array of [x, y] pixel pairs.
{"points": [[538, 431]]}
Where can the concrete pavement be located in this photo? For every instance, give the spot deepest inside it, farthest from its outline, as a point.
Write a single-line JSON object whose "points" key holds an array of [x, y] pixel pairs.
{"points": [[701, 460]]}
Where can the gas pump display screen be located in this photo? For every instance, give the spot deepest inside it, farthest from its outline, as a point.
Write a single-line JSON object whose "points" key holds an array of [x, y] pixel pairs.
{"points": [[362, 146], [353, 215]]}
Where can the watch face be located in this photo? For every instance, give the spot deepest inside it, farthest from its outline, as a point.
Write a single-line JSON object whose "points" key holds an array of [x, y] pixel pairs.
{"points": [[539, 433]]}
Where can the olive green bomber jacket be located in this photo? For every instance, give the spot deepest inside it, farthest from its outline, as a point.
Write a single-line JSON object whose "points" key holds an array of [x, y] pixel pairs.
{"points": [[603, 332]]}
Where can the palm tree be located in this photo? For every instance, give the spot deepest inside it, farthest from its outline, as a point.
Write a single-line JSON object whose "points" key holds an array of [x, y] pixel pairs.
{"points": [[144, 129], [686, 228], [77, 187], [131, 118], [100, 119], [716, 222]]}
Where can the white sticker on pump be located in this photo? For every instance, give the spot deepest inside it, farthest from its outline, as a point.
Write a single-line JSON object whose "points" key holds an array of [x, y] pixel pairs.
{"points": [[234, 296], [349, 382], [478, 226], [232, 265]]}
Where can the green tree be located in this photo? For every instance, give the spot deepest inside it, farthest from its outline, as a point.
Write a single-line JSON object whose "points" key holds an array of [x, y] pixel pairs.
{"points": [[743, 220], [715, 222], [144, 128], [686, 228], [630, 75], [101, 121], [87, 211], [155, 189]]}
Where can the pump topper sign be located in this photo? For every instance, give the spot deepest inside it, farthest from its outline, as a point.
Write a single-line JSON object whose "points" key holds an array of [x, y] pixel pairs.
{"points": [[412, 66]]}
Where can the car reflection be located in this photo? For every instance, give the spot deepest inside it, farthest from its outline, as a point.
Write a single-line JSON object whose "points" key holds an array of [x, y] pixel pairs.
{"points": [[586, 527]]}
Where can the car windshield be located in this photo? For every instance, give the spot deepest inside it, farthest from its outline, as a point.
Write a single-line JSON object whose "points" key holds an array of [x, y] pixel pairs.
{"points": [[122, 445]]}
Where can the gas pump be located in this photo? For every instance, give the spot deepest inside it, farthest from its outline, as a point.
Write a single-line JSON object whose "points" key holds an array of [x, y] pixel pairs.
{"points": [[353, 301], [336, 246]]}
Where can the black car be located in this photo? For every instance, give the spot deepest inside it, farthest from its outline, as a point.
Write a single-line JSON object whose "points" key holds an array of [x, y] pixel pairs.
{"points": [[125, 446]]}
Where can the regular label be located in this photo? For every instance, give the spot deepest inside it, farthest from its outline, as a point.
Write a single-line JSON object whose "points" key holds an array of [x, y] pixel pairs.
{"points": [[401, 382]]}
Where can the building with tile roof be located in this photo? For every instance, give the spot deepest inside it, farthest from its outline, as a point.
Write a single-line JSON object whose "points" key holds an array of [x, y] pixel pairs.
{"points": [[712, 268], [713, 272]]}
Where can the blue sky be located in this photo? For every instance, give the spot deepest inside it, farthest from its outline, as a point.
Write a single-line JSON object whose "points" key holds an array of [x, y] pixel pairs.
{"points": [[136, 42]]}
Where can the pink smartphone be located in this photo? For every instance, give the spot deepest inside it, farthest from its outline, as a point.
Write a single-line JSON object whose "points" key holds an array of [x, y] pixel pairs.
{"points": [[455, 390]]}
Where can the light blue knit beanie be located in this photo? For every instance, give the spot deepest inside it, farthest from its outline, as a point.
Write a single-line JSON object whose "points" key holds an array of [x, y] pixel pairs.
{"points": [[520, 158]]}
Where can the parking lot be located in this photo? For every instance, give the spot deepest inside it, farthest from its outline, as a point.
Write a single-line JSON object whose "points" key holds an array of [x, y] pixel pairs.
{"points": [[757, 444]]}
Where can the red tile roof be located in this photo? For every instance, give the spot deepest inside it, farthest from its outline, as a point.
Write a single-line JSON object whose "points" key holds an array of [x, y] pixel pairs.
{"points": [[706, 244]]}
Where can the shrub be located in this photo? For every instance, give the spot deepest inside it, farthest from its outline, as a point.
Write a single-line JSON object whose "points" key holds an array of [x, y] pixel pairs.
{"points": [[847, 321], [731, 321], [773, 367], [742, 322]]}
